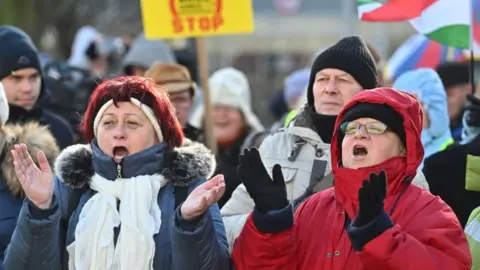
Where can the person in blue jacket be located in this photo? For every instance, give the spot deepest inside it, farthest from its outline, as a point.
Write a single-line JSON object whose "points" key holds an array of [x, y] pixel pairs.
{"points": [[37, 138], [112, 204], [426, 85]]}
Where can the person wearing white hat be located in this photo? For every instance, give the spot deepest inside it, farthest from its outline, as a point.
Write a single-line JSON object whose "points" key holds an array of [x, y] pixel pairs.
{"points": [[233, 121]]}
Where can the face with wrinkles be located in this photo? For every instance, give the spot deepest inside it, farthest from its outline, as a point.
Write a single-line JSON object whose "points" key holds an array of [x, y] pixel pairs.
{"points": [[125, 130], [332, 89], [368, 142]]}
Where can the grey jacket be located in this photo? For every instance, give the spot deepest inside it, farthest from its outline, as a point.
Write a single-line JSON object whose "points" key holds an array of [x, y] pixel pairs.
{"points": [[180, 244]]}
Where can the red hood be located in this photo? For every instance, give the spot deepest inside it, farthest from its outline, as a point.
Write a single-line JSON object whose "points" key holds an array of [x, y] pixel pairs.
{"points": [[348, 181]]}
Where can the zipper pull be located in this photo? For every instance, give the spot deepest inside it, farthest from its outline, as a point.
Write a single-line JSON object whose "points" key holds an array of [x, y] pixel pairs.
{"points": [[119, 171]]}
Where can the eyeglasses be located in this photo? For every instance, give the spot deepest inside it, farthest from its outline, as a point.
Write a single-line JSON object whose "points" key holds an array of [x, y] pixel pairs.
{"points": [[374, 128]]}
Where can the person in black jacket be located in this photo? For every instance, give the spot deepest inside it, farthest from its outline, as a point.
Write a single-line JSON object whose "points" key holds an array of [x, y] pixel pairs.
{"points": [[21, 75], [451, 173], [446, 173]]}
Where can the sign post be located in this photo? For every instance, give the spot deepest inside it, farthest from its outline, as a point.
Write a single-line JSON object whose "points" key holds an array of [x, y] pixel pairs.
{"points": [[208, 119], [198, 18]]}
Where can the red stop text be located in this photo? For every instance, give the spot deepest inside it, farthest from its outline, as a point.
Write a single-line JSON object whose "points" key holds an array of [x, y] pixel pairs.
{"points": [[197, 24]]}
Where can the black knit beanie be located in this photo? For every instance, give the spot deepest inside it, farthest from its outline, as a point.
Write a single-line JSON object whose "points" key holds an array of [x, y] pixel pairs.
{"points": [[380, 112], [351, 55], [454, 73], [17, 51]]}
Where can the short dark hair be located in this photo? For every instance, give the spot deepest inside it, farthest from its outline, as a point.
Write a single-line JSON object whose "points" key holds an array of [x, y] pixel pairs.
{"points": [[454, 73]]}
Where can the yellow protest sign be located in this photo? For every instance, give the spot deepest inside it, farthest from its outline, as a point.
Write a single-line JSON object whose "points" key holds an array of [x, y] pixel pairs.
{"points": [[196, 18]]}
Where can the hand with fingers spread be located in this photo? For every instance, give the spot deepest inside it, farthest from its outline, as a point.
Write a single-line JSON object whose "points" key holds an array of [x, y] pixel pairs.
{"points": [[370, 198], [36, 182], [202, 197], [267, 193]]}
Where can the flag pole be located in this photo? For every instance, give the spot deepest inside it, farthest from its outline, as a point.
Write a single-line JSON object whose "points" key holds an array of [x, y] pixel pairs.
{"points": [[202, 55], [472, 70], [472, 54]]}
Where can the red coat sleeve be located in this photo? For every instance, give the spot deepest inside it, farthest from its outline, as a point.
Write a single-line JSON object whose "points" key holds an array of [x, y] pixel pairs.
{"points": [[282, 250], [434, 239], [256, 250]]}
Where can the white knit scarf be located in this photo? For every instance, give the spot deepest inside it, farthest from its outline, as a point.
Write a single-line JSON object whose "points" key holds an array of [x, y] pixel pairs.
{"points": [[139, 217]]}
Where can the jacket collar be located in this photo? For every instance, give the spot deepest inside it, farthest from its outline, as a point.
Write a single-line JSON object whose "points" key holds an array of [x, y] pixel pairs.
{"points": [[303, 118], [302, 125], [347, 182], [183, 165], [20, 115]]}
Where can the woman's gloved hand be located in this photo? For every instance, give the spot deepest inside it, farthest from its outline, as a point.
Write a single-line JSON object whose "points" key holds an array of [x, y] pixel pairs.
{"points": [[370, 198], [267, 193]]}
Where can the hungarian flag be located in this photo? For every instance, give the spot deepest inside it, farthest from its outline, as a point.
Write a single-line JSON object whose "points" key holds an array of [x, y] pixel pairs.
{"points": [[445, 21]]}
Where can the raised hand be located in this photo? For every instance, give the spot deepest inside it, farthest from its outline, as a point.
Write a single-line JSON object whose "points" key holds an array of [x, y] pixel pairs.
{"points": [[202, 197], [267, 193], [37, 183], [370, 198]]}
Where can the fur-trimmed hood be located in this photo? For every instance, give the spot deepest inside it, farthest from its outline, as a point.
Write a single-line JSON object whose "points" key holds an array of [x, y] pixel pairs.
{"points": [[182, 166], [36, 137]]}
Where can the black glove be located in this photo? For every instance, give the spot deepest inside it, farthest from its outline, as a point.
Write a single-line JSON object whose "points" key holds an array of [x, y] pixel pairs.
{"points": [[267, 194], [473, 109], [370, 198]]}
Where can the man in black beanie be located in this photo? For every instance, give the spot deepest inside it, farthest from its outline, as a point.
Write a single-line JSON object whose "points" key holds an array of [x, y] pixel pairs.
{"points": [[21, 75], [456, 80], [303, 148]]}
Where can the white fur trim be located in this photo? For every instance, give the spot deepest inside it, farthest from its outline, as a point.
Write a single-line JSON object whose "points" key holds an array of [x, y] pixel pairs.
{"points": [[147, 110], [4, 108]]}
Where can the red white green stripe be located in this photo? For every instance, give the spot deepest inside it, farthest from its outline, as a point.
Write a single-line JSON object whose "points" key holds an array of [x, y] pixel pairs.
{"points": [[445, 21]]}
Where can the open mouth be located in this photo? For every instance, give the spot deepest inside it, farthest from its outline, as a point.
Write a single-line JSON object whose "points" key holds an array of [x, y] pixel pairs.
{"points": [[359, 151], [119, 152], [222, 124]]}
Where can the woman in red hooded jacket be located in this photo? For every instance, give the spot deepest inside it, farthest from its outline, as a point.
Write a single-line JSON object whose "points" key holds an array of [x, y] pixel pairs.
{"points": [[373, 217]]}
